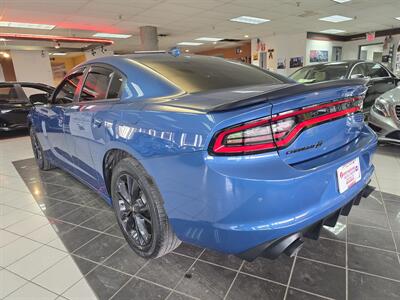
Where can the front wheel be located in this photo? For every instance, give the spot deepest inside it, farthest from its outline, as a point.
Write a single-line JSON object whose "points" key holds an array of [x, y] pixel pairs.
{"points": [[140, 212], [41, 160]]}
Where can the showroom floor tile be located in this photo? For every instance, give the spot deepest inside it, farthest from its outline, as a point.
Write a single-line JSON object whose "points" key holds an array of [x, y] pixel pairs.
{"points": [[58, 238]]}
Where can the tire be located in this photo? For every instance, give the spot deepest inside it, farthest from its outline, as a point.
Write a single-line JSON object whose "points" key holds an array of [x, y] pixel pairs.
{"points": [[41, 160], [143, 220]]}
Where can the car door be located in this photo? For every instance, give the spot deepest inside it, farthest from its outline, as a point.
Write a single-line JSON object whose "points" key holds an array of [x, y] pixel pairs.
{"points": [[99, 92], [56, 121], [380, 81]]}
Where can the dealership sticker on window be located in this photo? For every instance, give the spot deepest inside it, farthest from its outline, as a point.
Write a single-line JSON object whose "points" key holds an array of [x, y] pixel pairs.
{"points": [[348, 175]]}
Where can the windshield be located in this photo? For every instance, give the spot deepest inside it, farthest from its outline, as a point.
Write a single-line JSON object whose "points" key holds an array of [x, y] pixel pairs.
{"points": [[201, 73], [320, 73]]}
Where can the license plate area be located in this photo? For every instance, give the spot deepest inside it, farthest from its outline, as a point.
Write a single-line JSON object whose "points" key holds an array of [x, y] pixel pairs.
{"points": [[348, 175]]}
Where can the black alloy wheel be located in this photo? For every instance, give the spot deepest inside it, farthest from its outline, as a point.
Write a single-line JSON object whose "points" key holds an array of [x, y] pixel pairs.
{"points": [[134, 211], [139, 208], [37, 151], [41, 160]]}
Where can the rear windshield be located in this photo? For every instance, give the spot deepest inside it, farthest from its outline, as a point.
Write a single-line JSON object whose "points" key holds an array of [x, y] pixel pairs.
{"points": [[9, 95], [199, 74], [320, 73]]}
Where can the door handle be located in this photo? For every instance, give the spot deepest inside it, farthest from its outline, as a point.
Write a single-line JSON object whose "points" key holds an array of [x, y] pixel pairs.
{"points": [[97, 122]]}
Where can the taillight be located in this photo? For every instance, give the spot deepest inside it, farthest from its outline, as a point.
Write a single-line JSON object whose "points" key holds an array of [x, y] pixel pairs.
{"points": [[280, 130]]}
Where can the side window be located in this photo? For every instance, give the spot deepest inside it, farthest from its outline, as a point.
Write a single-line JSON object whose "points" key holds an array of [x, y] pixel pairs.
{"points": [[376, 70], [359, 70], [95, 87], [66, 91], [8, 94], [101, 83], [114, 90]]}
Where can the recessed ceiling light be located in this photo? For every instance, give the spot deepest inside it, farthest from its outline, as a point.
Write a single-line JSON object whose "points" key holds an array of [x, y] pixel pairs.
{"points": [[189, 44], [186, 50], [249, 20], [246, 36], [58, 53], [112, 35], [342, 1], [27, 25], [336, 19], [209, 39], [332, 31]]}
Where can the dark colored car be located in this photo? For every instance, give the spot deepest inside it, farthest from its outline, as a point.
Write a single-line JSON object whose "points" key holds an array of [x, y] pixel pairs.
{"points": [[16, 100], [215, 153], [379, 78]]}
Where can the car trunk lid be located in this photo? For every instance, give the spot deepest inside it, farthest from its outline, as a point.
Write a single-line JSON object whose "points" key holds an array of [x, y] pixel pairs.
{"points": [[329, 119]]}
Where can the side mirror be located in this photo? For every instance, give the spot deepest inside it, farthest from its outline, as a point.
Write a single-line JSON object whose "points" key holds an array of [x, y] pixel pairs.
{"points": [[38, 99]]}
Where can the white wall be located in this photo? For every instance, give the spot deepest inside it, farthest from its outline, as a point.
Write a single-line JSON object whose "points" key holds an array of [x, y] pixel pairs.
{"points": [[293, 45], [285, 46], [32, 66]]}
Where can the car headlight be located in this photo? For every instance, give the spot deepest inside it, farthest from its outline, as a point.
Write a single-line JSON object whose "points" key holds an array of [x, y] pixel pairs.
{"points": [[381, 107]]}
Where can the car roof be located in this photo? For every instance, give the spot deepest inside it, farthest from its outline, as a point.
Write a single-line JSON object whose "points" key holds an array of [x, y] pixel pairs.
{"points": [[124, 62], [350, 63]]}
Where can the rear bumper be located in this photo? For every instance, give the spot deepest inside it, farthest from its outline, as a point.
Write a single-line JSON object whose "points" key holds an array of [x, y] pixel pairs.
{"points": [[234, 204], [292, 243]]}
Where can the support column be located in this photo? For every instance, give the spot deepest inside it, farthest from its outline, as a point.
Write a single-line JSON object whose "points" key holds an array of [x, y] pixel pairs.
{"points": [[148, 38]]}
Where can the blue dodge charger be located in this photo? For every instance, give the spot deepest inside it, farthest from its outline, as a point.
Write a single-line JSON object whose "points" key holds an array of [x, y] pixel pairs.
{"points": [[212, 152]]}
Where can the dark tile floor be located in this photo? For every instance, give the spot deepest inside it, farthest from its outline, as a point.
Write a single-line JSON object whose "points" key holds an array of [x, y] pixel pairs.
{"points": [[358, 259]]}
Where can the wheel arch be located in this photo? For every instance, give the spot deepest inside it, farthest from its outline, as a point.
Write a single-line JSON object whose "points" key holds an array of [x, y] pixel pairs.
{"points": [[110, 160]]}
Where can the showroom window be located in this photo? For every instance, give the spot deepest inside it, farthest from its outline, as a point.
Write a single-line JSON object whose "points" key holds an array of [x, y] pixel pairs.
{"points": [[66, 92]]}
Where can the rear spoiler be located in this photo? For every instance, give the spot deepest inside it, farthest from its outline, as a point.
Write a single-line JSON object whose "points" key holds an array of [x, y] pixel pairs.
{"points": [[287, 91]]}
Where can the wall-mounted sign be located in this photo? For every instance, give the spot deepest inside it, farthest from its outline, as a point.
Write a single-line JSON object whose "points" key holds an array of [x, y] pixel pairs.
{"points": [[281, 63], [296, 62], [370, 36], [318, 56]]}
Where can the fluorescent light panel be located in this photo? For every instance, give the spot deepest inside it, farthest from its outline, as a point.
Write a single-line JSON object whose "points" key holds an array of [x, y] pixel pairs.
{"points": [[112, 35], [27, 25], [249, 20], [332, 31], [342, 1], [397, 18], [209, 39], [58, 53], [336, 19], [189, 44]]}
